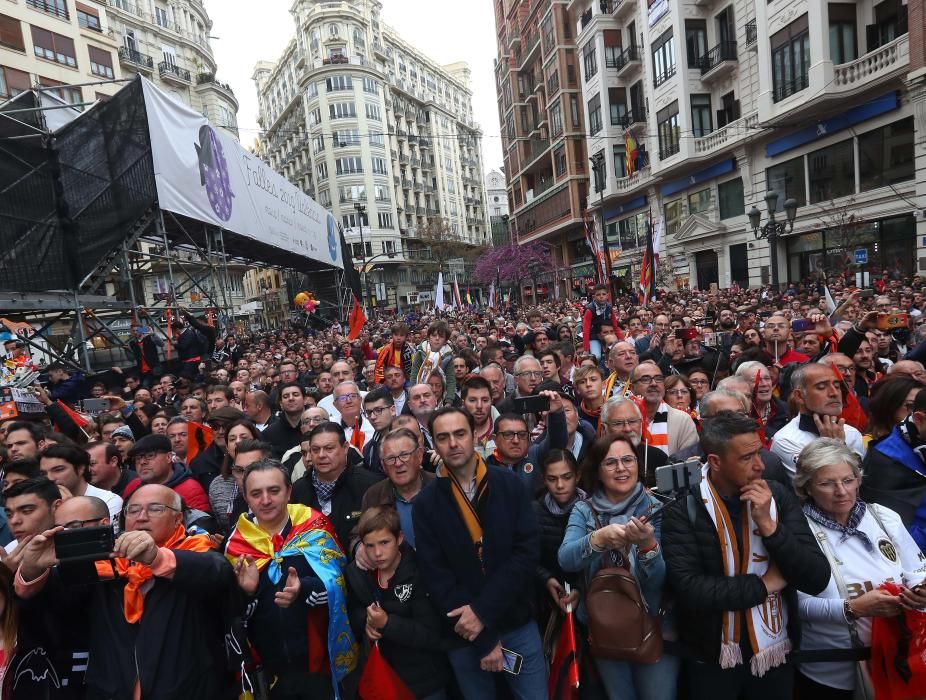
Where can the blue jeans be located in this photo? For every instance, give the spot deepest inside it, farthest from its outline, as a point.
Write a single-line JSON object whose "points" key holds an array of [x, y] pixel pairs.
{"points": [[530, 684], [626, 681]]}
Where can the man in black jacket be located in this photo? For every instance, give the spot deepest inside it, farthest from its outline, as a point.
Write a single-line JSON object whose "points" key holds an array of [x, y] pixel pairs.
{"points": [[731, 617], [285, 432], [185, 582], [477, 545], [332, 485]]}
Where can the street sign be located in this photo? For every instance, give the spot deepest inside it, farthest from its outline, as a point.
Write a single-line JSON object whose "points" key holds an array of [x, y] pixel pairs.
{"points": [[861, 256]]}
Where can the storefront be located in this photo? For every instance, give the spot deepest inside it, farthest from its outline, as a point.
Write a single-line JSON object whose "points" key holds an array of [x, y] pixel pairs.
{"points": [[888, 245]]}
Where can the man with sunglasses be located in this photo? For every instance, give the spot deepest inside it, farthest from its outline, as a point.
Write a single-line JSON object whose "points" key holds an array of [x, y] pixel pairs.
{"points": [[181, 577]]}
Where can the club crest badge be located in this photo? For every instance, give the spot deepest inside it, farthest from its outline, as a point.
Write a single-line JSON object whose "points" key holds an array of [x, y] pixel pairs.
{"points": [[886, 547], [403, 592], [528, 468]]}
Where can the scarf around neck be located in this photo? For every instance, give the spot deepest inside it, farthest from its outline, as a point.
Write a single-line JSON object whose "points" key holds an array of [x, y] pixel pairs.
{"points": [[850, 529], [556, 509], [620, 512], [431, 361], [469, 510]]}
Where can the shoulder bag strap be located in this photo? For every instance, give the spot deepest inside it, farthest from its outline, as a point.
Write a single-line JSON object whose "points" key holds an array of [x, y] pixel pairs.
{"points": [[835, 567], [877, 516]]}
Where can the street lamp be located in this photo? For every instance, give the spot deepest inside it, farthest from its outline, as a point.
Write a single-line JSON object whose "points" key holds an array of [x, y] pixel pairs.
{"points": [[361, 210], [598, 166], [773, 228]]}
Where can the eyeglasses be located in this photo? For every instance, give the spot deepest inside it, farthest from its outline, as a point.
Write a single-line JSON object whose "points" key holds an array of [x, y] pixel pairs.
{"points": [[147, 456], [530, 373], [401, 457], [512, 434], [629, 423], [150, 509], [376, 412], [77, 524], [344, 398], [611, 463], [678, 392], [650, 379], [238, 471], [848, 484], [698, 382]]}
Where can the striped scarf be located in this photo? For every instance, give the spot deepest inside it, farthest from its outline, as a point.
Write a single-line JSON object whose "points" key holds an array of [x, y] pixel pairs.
{"points": [[467, 508], [613, 387], [659, 428]]}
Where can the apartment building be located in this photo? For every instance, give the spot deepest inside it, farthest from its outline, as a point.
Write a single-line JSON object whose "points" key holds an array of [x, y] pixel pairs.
{"points": [[168, 43], [66, 47], [727, 101], [543, 128], [380, 134]]}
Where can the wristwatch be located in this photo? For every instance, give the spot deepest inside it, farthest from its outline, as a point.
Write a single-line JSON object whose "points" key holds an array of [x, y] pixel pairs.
{"points": [[649, 553], [848, 612]]}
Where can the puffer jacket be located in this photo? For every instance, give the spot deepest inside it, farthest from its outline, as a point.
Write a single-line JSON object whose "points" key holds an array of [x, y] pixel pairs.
{"points": [[552, 532]]}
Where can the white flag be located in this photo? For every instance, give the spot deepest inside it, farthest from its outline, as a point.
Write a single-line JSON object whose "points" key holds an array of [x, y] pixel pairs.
{"points": [[439, 292], [830, 303], [491, 304]]}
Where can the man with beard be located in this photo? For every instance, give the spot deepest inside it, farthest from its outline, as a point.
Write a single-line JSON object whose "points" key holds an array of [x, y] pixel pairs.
{"points": [[422, 402], [240, 390], [394, 380], [106, 471], [776, 336], [477, 401], [285, 432]]}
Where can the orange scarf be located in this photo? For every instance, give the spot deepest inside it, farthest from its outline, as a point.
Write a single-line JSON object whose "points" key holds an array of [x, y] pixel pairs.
{"points": [[466, 507], [136, 573]]}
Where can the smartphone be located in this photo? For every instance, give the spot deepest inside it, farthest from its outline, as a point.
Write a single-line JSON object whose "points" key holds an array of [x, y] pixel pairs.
{"points": [[511, 661], [95, 405], [802, 325], [531, 404], [889, 322], [686, 334], [678, 476], [85, 544], [865, 293]]}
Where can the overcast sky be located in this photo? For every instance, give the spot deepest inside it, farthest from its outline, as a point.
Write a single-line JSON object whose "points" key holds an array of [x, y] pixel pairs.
{"points": [[446, 31]]}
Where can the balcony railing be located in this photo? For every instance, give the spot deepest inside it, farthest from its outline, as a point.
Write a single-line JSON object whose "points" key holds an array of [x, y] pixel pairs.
{"points": [[660, 78], [127, 55], [623, 184], [209, 79], [169, 70], [724, 51], [626, 57], [790, 87], [633, 116], [873, 65], [50, 7], [669, 150], [752, 33], [724, 137]]}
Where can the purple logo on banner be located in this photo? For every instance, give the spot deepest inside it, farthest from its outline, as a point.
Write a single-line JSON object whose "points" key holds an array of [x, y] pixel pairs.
{"points": [[213, 172]]}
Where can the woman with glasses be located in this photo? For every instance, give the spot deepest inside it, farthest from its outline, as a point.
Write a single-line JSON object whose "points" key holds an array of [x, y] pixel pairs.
{"points": [[610, 527], [700, 382], [679, 394], [225, 488], [866, 545]]}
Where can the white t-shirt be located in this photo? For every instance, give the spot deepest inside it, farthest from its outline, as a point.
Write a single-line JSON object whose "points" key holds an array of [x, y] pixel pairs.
{"points": [[823, 623], [113, 500], [328, 404], [790, 440]]}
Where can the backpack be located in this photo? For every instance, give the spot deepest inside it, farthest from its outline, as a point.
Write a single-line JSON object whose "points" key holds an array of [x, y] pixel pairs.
{"points": [[620, 627]]}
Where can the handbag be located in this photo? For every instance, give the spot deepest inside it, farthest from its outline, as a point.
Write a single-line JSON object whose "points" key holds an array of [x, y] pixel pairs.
{"points": [[620, 626], [864, 690]]}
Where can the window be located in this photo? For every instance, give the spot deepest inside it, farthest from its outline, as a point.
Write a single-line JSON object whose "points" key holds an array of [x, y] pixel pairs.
{"points": [[226, 117], [556, 118], [357, 249], [349, 165], [371, 86], [312, 90], [590, 60], [619, 154], [322, 171], [324, 198], [548, 34], [832, 171], [88, 18], [13, 82], [11, 33], [352, 193], [373, 113], [161, 16], [380, 192], [559, 160], [377, 139], [843, 32], [379, 166], [701, 115], [699, 201], [617, 106], [71, 95], [886, 155], [315, 117], [790, 59], [58, 8], [385, 221], [594, 115], [53, 47], [339, 83], [612, 54], [318, 144], [669, 131], [673, 213], [663, 59], [342, 110], [787, 179], [333, 30], [574, 110], [695, 41], [345, 137], [730, 199], [101, 62]]}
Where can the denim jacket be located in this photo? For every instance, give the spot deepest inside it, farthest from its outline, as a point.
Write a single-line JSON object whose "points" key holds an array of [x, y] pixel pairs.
{"points": [[576, 554]]}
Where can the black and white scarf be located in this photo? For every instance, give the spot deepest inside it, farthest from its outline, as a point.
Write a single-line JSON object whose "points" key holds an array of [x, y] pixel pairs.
{"points": [[850, 529]]}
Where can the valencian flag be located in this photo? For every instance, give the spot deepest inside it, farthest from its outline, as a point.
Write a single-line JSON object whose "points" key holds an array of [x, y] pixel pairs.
{"points": [[312, 537], [379, 681], [199, 437], [648, 268], [631, 153], [356, 320], [563, 683]]}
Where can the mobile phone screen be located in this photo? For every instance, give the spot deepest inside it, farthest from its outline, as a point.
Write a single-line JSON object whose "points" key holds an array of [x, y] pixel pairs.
{"points": [[511, 661]]}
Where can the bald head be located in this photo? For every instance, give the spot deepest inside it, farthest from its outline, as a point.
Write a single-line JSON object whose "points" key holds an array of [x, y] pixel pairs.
{"points": [[83, 509], [151, 493]]}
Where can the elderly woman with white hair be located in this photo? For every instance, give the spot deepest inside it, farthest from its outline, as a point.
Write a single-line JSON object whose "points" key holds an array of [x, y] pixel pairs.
{"points": [[866, 545], [773, 413]]}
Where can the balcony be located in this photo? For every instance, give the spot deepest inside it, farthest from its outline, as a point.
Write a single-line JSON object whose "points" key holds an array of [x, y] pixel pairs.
{"points": [[419, 211], [174, 74], [208, 79], [406, 183], [661, 78], [724, 138], [626, 184], [634, 116], [669, 150], [133, 59], [403, 158], [419, 186], [400, 134], [416, 162], [628, 61], [787, 88], [720, 61], [752, 34], [585, 19], [884, 62], [51, 8], [621, 9], [424, 143]]}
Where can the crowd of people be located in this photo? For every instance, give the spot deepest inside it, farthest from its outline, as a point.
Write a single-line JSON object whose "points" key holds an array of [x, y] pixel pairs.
{"points": [[271, 514]]}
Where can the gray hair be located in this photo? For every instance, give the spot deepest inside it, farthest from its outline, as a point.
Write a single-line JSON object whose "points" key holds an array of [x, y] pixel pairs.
{"points": [[519, 363], [822, 452], [616, 402], [748, 367], [710, 397], [347, 382]]}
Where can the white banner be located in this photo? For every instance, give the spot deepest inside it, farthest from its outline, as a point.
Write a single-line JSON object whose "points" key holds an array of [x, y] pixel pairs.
{"points": [[205, 174]]}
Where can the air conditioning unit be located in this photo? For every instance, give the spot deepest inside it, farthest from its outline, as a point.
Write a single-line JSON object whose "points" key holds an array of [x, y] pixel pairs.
{"points": [[919, 215]]}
